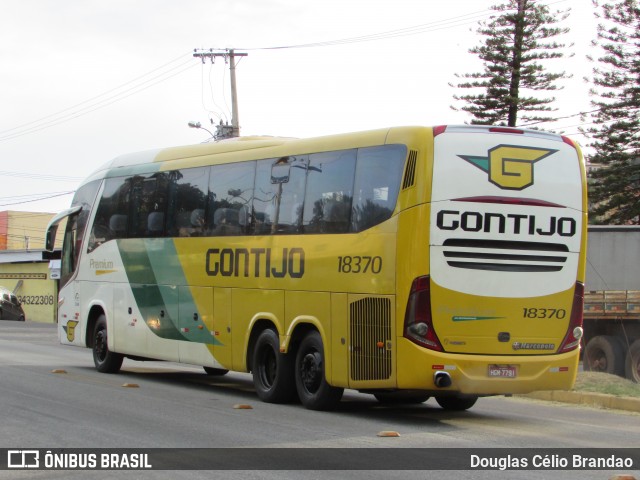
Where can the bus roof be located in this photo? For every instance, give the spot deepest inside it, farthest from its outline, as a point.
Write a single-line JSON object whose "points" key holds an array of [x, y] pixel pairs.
{"points": [[235, 149], [260, 147]]}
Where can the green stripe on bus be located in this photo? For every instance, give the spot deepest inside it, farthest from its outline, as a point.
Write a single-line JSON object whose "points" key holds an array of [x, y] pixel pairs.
{"points": [[146, 291], [147, 262]]}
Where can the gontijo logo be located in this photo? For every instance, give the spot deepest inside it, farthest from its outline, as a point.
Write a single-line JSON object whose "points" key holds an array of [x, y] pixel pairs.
{"points": [[70, 328], [510, 167]]}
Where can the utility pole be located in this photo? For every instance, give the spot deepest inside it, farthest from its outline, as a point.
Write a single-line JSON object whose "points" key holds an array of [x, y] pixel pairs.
{"points": [[229, 55]]}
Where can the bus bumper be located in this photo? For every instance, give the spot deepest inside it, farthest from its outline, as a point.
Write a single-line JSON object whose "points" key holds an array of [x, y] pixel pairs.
{"points": [[484, 374]]}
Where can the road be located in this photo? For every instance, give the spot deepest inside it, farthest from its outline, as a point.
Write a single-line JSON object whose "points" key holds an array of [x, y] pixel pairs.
{"points": [[178, 406]]}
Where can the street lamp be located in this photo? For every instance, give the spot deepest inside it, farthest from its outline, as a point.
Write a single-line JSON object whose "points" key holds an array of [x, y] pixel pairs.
{"points": [[199, 125]]}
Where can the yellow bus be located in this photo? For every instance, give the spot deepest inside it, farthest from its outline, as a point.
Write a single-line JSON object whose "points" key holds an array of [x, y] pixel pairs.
{"points": [[408, 263]]}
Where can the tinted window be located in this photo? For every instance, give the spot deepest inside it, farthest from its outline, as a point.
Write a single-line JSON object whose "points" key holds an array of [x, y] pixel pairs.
{"points": [[112, 215], [279, 196], [328, 192], [327, 206], [378, 177], [70, 248], [187, 202], [148, 205], [230, 199], [84, 197]]}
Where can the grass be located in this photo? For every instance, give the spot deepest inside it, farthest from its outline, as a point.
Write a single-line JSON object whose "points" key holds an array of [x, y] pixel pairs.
{"points": [[598, 382]]}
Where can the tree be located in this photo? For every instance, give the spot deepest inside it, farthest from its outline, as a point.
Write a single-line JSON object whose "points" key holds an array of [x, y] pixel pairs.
{"points": [[614, 187], [515, 43]]}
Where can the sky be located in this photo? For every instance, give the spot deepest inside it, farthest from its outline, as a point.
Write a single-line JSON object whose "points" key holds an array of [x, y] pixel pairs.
{"points": [[84, 81]]}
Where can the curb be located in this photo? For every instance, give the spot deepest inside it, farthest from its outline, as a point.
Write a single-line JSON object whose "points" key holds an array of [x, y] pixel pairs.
{"points": [[629, 404]]}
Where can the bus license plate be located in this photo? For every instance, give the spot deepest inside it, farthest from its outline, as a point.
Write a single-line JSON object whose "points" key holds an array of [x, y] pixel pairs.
{"points": [[502, 371]]}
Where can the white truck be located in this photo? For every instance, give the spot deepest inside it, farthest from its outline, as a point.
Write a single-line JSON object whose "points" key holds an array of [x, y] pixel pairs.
{"points": [[612, 301]]}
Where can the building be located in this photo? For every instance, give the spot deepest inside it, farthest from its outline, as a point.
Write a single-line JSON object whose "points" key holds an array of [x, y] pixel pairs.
{"points": [[23, 230], [25, 268]]}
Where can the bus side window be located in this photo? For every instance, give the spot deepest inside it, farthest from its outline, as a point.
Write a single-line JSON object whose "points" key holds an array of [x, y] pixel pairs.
{"points": [[378, 177], [230, 199], [327, 204], [155, 223], [288, 196], [148, 204], [279, 191], [110, 221], [265, 201], [187, 200]]}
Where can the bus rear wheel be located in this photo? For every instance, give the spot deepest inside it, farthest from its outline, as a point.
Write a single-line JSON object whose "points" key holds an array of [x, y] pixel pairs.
{"points": [[105, 360], [456, 403], [272, 371], [314, 391]]}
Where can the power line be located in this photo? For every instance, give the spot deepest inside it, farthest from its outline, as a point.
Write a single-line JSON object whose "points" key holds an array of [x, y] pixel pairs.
{"points": [[453, 22], [561, 118], [92, 98], [29, 195], [38, 199], [213, 99], [40, 176], [92, 104], [98, 102]]}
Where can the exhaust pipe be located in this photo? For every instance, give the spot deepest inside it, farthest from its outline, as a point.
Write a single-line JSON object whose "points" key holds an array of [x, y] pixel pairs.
{"points": [[442, 379]]}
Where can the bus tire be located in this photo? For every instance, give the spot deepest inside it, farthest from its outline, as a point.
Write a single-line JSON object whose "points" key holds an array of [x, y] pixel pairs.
{"points": [[272, 371], [215, 372], [104, 360], [313, 390], [401, 397], [457, 403], [632, 364], [604, 353]]}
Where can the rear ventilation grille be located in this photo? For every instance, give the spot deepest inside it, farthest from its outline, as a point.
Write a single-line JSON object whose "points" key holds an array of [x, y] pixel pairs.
{"points": [[370, 328], [410, 172], [505, 256]]}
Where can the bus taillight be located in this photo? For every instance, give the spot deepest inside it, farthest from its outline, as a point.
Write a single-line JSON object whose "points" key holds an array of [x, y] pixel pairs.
{"points": [[439, 130], [517, 131], [568, 141], [418, 324], [574, 331]]}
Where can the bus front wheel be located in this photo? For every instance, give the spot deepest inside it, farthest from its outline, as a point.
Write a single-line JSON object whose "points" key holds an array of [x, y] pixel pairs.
{"points": [[272, 371], [104, 360], [314, 391]]}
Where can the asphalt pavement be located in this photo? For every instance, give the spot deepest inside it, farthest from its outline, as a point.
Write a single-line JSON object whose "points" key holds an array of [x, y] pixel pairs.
{"points": [[598, 400]]}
